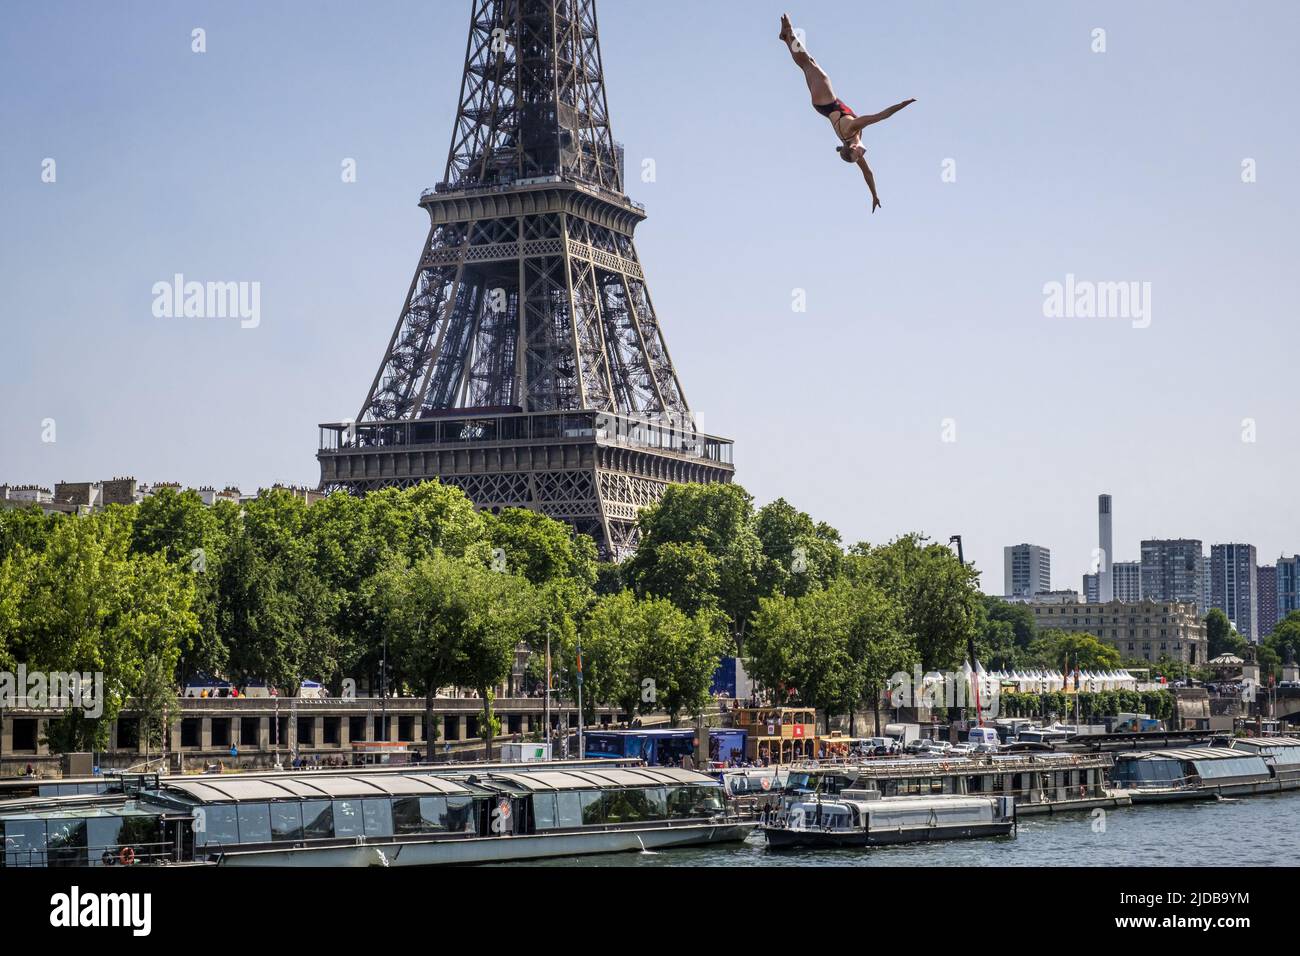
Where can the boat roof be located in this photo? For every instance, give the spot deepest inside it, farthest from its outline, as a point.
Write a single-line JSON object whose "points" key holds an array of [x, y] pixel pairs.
{"points": [[586, 779], [1188, 753], [319, 786]]}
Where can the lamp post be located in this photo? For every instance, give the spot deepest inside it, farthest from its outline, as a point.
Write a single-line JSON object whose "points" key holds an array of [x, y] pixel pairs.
{"points": [[970, 643]]}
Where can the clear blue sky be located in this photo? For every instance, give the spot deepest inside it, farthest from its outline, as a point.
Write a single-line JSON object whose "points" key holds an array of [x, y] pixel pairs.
{"points": [[1124, 165]]}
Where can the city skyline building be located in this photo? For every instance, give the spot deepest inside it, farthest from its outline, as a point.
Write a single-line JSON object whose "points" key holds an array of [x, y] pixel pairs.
{"points": [[1266, 589], [1173, 569], [1026, 570], [1234, 585], [1105, 549]]}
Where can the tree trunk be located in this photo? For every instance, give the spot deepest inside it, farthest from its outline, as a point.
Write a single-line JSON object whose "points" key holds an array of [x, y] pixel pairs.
{"points": [[430, 732], [487, 723]]}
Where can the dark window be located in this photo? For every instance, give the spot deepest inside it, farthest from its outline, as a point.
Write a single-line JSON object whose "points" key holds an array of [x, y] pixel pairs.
{"points": [[381, 727], [306, 731], [406, 728], [330, 731], [418, 814], [248, 729], [471, 726], [221, 731], [514, 724], [128, 733], [317, 819], [191, 731], [67, 843], [460, 815], [451, 728], [356, 728], [281, 727], [377, 813], [216, 825], [286, 821], [24, 733]]}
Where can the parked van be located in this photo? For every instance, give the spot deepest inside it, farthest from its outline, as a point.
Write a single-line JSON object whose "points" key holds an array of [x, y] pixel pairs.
{"points": [[982, 735]]}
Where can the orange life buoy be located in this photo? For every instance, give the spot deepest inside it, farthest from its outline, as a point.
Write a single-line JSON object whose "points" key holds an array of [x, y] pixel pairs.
{"points": [[127, 856]]}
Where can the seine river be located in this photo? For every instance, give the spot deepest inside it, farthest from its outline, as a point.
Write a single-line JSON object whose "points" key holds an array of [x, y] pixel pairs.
{"points": [[1249, 831]]}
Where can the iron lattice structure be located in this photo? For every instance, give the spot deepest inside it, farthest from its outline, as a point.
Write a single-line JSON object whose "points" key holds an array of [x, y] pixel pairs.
{"points": [[528, 366]]}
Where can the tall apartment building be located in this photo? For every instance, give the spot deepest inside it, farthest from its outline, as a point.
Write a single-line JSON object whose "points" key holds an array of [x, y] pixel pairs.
{"points": [[1092, 588], [1288, 586], [1147, 630], [1126, 577], [1173, 570], [1234, 582], [1026, 570], [1266, 598]]}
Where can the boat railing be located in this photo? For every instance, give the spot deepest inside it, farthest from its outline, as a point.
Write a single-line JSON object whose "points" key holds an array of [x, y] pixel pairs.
{"points": [[132, 854]]}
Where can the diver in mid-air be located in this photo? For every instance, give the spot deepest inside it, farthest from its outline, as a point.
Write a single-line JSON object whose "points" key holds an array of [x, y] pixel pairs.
{"points": [[847, 124]]}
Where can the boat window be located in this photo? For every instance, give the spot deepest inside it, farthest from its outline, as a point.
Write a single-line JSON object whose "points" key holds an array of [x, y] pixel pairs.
{"points": [[1232, 767], [347, 818], [460, 815], [377, 813], [707, 799], [24, 842], [657, 803], [591, 807], [625, 806], [67, 843], [317, 819], [544, 817], [286, 821], [418, 814], [254, 823], [103, 835], [216, 826], [569, 809]]}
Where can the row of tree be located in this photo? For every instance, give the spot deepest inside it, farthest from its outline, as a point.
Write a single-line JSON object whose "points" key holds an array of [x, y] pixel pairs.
{"points": [[274, 590]]}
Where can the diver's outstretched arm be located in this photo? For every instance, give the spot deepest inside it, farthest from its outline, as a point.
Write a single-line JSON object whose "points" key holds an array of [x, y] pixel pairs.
{"points": [[871, 183], [862, 122]]}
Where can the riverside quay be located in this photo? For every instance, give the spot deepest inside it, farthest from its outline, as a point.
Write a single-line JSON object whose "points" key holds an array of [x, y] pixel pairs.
{"points": [[249, 732]]}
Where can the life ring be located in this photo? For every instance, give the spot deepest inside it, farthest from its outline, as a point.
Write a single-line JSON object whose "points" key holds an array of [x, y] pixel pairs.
{"points": [[127, 856]]}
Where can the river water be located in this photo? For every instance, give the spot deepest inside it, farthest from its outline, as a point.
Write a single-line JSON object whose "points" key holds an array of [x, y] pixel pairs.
{"points": [[1247, 831]]}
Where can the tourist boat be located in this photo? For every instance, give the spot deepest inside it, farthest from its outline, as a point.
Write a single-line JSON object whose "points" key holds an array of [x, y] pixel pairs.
{"points": [[862, 818], [1039, 782], [396, 818], [1200, 773]]}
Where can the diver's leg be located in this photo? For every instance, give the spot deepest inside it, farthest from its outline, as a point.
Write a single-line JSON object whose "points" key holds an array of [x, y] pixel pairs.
{"points": [[819, 84], [860, 123]]}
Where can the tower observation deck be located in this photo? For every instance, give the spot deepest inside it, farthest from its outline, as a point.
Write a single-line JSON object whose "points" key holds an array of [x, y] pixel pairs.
{"points": [[528, 366]]}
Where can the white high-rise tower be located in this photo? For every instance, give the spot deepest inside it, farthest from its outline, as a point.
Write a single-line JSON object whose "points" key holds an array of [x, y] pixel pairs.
{"points": [[1105, 582]]}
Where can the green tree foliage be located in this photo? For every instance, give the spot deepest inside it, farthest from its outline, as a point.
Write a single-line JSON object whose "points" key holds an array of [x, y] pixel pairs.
{"points": [[1283, 644], [648, 655], [830, 648], [694, 525], [1062, 651], [1005, 631], [938, 596], [799, 554], [1221, 638]]}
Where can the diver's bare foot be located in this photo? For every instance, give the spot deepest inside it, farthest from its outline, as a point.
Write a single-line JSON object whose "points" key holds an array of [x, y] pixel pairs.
{"points": [[787, 29]]}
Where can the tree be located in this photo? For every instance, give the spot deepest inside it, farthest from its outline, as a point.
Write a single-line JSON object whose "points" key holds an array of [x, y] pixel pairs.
{"points": [[799, 554], [1221, 638], [500, 614], [937, 594], [718, 519], [1005, 630], [1284, 643], [179, 527], [1063, 651]]}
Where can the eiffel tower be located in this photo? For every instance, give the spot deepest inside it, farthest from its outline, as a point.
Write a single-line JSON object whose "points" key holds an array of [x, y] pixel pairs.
{"points": [[528, 366]]}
